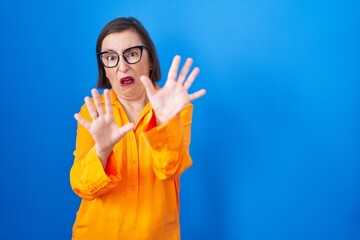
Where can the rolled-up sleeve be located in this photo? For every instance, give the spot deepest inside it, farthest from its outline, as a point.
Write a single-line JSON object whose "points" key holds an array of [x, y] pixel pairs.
{"points": [[88, 178], [169, 145]]}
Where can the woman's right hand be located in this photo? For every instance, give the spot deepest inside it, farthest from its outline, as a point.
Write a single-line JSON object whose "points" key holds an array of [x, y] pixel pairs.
{"points": [[103, 128]]}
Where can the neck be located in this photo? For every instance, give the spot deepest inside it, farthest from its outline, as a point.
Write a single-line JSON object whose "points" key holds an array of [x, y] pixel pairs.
{"points": [[134, 107]]}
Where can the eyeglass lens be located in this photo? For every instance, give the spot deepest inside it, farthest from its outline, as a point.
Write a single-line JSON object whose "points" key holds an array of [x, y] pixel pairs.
{"points": [[111, 58]]}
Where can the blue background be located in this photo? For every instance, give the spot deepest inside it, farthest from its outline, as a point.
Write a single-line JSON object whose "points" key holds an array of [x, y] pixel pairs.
{"points": [[275, 140]]}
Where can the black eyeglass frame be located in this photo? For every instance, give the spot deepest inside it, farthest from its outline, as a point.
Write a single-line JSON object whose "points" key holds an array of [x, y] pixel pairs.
{"points": [[99, 55]]}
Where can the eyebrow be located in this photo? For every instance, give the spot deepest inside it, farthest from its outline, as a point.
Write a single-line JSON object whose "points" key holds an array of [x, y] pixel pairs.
{"points": [[108, 49]]}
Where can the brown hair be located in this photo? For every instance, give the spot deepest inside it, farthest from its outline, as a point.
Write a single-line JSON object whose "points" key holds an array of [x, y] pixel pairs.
{"points": [[119, 25]]}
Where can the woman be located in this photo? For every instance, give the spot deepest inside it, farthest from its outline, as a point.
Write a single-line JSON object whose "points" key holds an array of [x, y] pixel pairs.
{"points": [[132, 141]]}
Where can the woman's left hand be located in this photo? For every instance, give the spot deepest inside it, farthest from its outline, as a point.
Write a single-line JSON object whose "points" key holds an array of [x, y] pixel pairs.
{"points": [[172, 98]]}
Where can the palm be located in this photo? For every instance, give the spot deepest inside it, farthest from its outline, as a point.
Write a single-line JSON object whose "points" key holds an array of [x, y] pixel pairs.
{"points": [[103, 129], [171, 99]]}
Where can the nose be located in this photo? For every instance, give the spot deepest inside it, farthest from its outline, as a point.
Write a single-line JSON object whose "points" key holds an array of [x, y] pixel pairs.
{"points": [[122, 66]]}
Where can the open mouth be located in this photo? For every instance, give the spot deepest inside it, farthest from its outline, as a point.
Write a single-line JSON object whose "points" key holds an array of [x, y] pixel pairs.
{"points": [[126, 81]]}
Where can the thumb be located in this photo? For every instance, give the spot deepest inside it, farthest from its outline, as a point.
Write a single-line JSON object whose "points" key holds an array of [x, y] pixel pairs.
{"points": [[148, 84], [126, 128]]}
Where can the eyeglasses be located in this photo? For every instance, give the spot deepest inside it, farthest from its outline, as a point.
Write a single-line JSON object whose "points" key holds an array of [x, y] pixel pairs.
{"points": [[110, 58]]}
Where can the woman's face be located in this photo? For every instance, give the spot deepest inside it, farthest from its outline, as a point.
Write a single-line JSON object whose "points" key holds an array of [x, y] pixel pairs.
{"points": [[125, 77]]}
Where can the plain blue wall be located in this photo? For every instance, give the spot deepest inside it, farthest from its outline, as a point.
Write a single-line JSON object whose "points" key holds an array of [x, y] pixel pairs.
{"points": [[275, 140]]}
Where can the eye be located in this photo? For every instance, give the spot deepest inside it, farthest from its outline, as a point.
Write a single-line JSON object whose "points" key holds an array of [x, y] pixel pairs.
{"points": [[111, 57], [132, 53]]}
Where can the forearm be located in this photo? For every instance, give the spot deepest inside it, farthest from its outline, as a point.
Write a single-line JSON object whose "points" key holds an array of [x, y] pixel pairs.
{"points": [[88, 178], [103, 154], [169, 145], [170, 164]]}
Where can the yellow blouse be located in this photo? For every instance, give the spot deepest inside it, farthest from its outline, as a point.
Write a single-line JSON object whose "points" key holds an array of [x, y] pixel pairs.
{"points": [[137, 195]]}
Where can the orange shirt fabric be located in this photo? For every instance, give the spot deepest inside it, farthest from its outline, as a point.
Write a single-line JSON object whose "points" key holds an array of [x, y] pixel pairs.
{"points": [[136, 196]]}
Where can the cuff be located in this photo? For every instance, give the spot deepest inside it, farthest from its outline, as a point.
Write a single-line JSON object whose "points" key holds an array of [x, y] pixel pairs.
{"points": [[165, 136]]}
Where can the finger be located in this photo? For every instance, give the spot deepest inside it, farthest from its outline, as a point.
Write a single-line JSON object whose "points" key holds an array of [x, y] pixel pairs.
{"points": [[184, 71], [149, 86], [82, 121], [126, 128], [191, 77], [197, 94], [97, 101], [172, 74], [108, 102], [91, 108]]}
